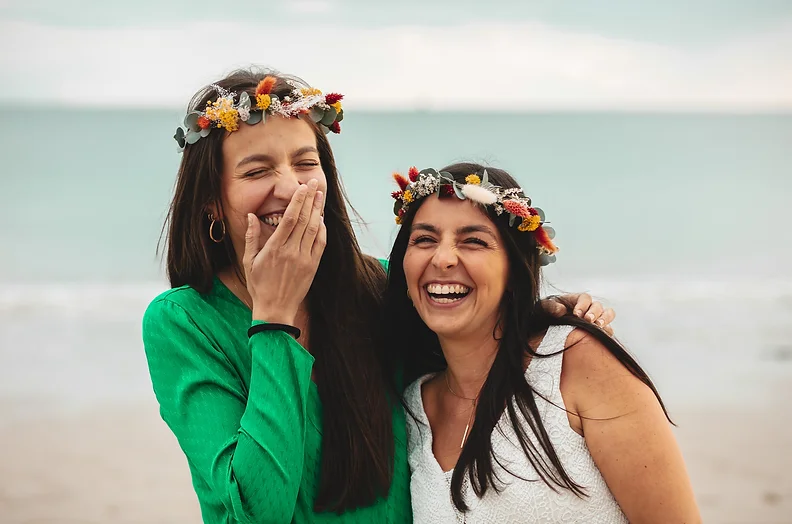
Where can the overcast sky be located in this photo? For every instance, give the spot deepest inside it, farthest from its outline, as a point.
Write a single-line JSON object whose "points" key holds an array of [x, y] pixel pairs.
{"points": [[725, 55]]}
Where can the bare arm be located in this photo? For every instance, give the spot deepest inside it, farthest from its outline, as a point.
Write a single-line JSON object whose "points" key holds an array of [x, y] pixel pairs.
{"points": [[627, 434]]}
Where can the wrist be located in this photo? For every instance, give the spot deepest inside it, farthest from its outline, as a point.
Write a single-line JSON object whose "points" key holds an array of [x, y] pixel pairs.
{"points": [[273, 317]]}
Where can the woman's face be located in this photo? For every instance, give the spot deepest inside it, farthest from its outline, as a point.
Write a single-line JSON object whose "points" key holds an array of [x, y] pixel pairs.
{"points": [[263, 165], [456, 268]]}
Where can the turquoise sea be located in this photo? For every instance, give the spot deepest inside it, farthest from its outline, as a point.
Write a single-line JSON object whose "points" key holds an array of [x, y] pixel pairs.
{"points": [[679, 221]]}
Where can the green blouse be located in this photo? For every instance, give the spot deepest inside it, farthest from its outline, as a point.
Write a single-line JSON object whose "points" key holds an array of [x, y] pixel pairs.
{"points": [[247, 415]]}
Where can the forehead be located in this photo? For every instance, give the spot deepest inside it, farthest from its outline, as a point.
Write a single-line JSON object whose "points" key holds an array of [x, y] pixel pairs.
{"points": [[452, 213], [276, 135]]}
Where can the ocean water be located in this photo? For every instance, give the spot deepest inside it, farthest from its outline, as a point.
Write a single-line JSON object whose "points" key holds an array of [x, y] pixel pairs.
{"points": [[678, 221]]}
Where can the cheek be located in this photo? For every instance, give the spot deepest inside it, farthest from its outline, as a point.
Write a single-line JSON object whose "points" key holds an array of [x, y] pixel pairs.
{"points": [[318, 174], [413, 266]]}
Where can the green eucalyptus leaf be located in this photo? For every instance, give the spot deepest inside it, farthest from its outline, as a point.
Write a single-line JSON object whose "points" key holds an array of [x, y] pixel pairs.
{"points": [[541, 213], [192, 137], [458, 190], [396, 206], [191, 121], [340, 116], [512, 220], [324, 128], [179, 137], [205, 132], [316, 114], [329, 116], [255, 117], [550, 231], [485, 178], [244, 100]]}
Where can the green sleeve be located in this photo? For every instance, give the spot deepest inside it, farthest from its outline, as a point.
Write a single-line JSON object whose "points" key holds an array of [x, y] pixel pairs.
{"points": [[385, 263], [247, 447]]}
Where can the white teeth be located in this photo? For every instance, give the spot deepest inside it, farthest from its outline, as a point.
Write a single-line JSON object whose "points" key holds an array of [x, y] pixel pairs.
{"points": [[272, 220], [445, 289]]}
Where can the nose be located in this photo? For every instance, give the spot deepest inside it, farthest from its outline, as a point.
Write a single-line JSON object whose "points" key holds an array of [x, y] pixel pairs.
{"points": [[285, 185], [445, 257]]}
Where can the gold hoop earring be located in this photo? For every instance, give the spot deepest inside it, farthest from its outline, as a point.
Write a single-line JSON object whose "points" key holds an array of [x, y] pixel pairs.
{"points": [[211, 229]]}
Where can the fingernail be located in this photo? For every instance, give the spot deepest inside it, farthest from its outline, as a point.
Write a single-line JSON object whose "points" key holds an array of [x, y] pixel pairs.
{"points": [[600, 322], [313, 184], [250, 219], [578, 313], [319, 197], [590, 317]]}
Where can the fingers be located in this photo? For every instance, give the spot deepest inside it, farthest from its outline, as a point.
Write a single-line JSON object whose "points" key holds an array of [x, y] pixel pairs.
{"points": [[304, 218], [319, 244], [606, 318], [582, 305], [251, 242], [290, 217], [312, 229]]}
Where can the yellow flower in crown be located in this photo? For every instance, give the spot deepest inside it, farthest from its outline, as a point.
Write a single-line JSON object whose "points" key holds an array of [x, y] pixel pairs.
{"points": [[407, 197], [530, 223], [308, 91], [224, 113], [473, 179], [263, 102]]}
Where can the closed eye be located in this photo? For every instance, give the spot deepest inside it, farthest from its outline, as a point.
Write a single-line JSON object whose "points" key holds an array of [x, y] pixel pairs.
{"points": [[421, 240], [475, 241], [308, 164], [256, 172]]}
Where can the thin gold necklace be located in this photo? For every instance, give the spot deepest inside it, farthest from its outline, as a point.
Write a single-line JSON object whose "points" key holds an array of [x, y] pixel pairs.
{"points": [[472, 411]]}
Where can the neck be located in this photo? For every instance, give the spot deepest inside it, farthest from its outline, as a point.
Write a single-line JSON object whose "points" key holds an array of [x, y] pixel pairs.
{"points": [[469, 361]]}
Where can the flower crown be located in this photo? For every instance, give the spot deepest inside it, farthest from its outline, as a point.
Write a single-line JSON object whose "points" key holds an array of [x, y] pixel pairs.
{"points": [[325, 110], [477, 188]]}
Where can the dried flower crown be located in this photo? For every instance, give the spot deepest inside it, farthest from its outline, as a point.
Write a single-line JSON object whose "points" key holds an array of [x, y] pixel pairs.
{"points": [[477, 188], [225, 113]]}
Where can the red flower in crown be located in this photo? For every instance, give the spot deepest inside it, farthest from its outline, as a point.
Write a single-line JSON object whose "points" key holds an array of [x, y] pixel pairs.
{"points": [[332, 98], [335, 127], [446, 190], [397, 195], [403, 182], [204, 122], [413, 174]]}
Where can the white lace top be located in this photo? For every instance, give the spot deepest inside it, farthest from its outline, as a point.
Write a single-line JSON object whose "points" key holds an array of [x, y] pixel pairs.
{"points": [[519, 500]]}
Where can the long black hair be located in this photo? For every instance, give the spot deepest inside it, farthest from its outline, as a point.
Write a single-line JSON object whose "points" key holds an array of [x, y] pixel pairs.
{"points": [[521, 318], [346, 294]]}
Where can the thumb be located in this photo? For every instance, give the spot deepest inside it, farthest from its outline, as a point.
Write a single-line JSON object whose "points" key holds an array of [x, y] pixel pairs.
{"points": [[251, 242]]}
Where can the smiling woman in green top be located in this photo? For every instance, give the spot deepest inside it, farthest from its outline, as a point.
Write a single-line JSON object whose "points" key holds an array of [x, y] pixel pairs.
{"points": [[263, 359]]}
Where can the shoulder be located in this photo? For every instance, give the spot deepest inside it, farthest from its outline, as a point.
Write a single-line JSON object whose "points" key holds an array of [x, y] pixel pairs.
{"points": [[594, 378], [171, 313]]}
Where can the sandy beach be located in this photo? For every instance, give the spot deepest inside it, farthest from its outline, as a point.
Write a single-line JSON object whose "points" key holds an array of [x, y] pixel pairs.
{"points": [[122, 465]]}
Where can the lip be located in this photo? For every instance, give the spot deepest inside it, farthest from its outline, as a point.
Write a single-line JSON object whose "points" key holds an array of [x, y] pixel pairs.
{"points": [[450, 305]]}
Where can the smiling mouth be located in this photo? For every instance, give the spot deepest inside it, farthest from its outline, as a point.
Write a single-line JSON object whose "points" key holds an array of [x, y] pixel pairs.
{"points": [[271, 220], [447, 293]]}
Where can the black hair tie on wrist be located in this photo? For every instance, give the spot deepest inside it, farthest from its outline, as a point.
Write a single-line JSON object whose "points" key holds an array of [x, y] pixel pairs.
{"points": [[258, 328]]}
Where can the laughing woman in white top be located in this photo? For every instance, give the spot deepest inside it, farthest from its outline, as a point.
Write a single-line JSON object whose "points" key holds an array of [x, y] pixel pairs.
{"points": [[517, 416]]}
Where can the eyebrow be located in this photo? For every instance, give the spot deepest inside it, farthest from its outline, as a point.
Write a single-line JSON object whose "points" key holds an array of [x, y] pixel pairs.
{"points": [[475, 228], [261, 157]]}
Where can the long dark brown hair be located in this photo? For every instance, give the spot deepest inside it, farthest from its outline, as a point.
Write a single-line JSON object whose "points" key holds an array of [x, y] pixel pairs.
{"points": [[521, 318], [344, 299]]}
